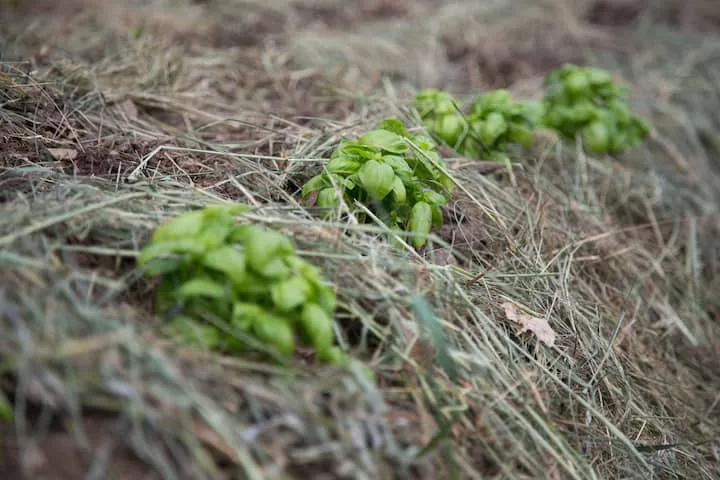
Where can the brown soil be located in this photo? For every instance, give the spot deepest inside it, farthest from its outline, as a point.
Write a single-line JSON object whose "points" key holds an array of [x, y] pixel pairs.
{"points": [[474, 63], [57, 454], [692, 15]]}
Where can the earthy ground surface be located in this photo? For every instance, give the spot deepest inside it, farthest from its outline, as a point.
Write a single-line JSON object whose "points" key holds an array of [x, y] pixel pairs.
{"points": [[117, 114]]}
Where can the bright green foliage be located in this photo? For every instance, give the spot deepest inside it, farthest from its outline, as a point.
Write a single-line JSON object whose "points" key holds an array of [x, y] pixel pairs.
{"points": [[443, 116], [579, 102], [497, 121], [494, 122], [390, 171], [245, 277], [585, 102]]}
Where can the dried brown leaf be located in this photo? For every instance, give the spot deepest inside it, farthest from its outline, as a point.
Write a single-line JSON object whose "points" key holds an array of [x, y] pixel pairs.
{"points": [[538, 326], [63, 153]]}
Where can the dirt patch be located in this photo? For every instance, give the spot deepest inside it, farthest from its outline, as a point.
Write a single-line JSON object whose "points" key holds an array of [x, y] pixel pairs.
{"points": [[58, 454], [66, 7], [217, 26], [117, 160], [692, 15], [340, 16], [500, 64]]}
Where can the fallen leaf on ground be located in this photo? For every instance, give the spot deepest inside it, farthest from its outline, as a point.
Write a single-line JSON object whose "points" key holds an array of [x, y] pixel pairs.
{"points": [[63, 153], [539, 326]]}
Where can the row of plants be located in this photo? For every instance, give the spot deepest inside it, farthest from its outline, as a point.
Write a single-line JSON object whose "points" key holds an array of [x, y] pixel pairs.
{"points": [[398, 176], [578, 102], [226, 286], [229, 286]]}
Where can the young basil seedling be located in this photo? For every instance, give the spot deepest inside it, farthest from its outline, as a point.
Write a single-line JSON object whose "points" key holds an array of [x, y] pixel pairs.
{"points": [[248, 277], [390, 171], [493, 123], [585, 102]]}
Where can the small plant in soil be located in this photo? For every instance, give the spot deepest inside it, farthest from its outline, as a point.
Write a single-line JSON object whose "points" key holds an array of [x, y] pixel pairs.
{"points": [[397, 175], [585, 102], [224, 285], [494, 122]]}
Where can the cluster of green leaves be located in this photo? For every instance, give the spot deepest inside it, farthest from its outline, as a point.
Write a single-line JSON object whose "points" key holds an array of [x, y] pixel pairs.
{"points": [[493, 122], [398, 176], [586, 102], [578, 102], [218, 277]]}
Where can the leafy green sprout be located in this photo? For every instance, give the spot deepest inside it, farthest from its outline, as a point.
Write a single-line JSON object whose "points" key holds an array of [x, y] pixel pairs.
{"points": [[392, 172], [586, 103], [247, 277], [578, 102], [493, 123]]}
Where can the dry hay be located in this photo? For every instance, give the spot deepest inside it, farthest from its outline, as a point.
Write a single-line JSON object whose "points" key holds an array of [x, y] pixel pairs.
{"points": [[106, 134]]}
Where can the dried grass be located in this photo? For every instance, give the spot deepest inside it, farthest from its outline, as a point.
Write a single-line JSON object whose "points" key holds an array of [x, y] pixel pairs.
{"points": [[620, 256]]}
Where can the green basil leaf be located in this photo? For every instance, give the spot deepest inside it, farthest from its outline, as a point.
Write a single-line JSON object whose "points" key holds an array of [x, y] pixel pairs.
{"points": [[621, 111], [618, 142], [159, 249], [384, 140], [597, 138], [239, 233], [328, 198], [343, 165], [399, 190], [420, 223], [493, 128], [317, 326], [290, 294], [245, 315], [450, 128], [435, 102], [318, 182], [447, 183], [350, 182], [326, 298], [333, 356], [215, 233], [377, 179], [186, 225], [399, 166], [577, 84], [227, 210], [229, 260], [395, 126], [275, 269], [432, 197], [164, 265], [354, 151], [496, 100], [263, 247], [424, 143], [599, 77], [583, 112], [257, 285], [533, 111], [308, 271], [437, 216], [426, 167], [275, 331], [202, 287], [520, 134]]}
